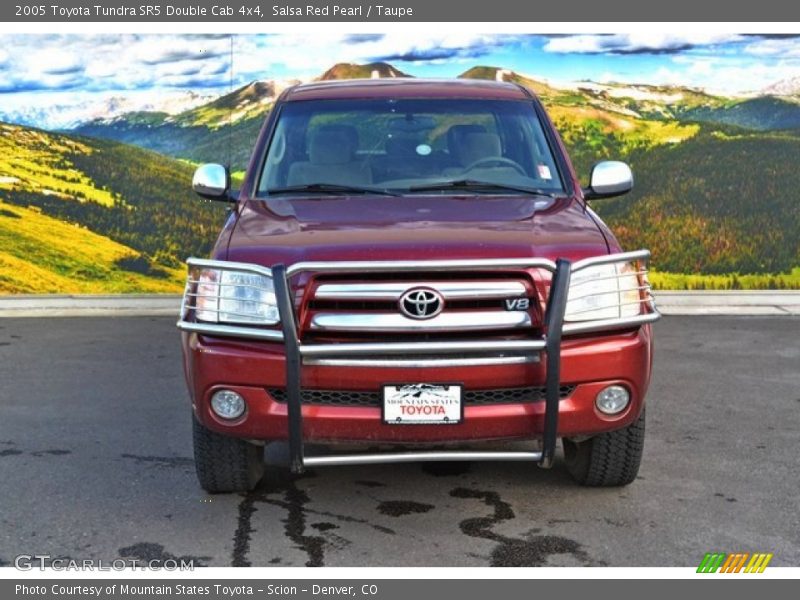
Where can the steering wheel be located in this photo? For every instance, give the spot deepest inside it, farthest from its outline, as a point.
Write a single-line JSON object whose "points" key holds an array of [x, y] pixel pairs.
{"points": [[496, 160]]}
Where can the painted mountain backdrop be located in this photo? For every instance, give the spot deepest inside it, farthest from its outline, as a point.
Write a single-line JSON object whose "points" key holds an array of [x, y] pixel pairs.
{"points": [[106, 205]]}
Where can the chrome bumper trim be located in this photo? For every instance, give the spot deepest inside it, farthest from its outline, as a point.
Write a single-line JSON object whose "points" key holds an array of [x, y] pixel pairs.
{"points": [[610, 324], [372, 348], [269, 335], [405, 457], [418, 363], [396, 266], [446, 321]]}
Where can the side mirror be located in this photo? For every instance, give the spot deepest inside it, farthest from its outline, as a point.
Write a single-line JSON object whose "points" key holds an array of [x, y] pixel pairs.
{"points": [[609, 178], [212, 181]]}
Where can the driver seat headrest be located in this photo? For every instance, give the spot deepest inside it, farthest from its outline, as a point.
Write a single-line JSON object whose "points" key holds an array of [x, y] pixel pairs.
{"points": [[332, 145], [455, 138], [478, 145]]}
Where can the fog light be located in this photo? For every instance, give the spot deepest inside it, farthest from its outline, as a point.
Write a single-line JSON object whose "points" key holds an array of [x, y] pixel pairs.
{"points": [[227, 404], [612, 400]]}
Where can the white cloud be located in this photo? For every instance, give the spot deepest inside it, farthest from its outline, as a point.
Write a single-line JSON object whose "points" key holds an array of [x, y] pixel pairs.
{"points": [[312, 54], [635, 43], [783, 48], [112, 62], [179, 49], [47, 62]]}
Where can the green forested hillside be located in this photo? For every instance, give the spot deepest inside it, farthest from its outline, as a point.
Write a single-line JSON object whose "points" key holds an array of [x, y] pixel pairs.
{"points": [[714, 204], [198, 143], [765, 113], [130, 208], [42, 254]]}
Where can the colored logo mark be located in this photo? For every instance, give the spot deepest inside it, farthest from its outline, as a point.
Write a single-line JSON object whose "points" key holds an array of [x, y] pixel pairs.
{"points": [[738, 562]]}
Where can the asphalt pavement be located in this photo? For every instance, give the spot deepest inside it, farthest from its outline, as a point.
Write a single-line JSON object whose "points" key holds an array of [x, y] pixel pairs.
{"points": [[96, 462]]}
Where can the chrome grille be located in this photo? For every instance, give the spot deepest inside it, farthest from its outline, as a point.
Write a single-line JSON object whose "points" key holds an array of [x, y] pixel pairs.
{"points": [[470, 304], [521, 395], [396, 322], [393, 290]]}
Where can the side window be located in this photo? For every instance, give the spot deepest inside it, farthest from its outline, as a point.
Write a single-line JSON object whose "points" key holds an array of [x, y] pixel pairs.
{"points": [[275, 161]]}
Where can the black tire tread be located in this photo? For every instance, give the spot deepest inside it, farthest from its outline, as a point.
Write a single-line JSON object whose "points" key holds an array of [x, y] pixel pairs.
{"points": [[225, 464], [609, 459]]}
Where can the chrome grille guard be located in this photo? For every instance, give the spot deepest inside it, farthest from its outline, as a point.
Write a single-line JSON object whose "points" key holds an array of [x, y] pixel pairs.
{"points": [[549, 343]]}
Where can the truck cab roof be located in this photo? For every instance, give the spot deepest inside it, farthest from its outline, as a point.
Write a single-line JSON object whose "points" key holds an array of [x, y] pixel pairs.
{"points": [[406, 88]]}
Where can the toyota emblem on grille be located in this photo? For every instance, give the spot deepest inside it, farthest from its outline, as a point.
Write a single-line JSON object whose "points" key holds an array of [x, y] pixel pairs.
{"points": [[421, 303]]}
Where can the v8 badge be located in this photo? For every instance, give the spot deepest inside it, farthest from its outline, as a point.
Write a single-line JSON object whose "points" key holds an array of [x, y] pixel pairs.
{"points": [[517, 303]]}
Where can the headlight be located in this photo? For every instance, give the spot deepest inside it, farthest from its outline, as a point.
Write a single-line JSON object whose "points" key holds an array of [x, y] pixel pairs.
{"points": [[610, 291], [224, 296]]}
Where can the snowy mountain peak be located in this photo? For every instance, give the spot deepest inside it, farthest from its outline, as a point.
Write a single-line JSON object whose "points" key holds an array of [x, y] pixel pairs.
{"points": [[785, 87], [67, 111]]}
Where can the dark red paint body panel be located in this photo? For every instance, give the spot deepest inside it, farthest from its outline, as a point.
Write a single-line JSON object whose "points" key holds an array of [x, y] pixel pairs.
{"points": [[318, 228], [413, 228]]}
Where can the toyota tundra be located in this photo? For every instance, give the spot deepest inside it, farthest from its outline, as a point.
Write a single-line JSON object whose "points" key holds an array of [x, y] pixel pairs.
{"points": [[411, 271]]}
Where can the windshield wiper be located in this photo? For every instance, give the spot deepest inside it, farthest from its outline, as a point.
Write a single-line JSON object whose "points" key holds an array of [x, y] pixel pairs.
{"points": [[329, 188], [473, 184]]}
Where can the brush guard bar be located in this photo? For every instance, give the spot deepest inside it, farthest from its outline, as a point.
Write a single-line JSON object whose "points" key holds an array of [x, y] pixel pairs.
{"points": [[554, 326]]}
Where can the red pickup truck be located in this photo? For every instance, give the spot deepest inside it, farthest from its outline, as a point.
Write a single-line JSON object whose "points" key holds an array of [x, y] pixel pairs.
{"points": [[412, 265]]}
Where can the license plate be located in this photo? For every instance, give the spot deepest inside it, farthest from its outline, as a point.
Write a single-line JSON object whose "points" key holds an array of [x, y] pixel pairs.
{"points": [[422, 404]]}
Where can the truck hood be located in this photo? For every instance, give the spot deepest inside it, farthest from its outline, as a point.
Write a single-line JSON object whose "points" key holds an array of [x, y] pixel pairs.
{"points": [[289, 230]]}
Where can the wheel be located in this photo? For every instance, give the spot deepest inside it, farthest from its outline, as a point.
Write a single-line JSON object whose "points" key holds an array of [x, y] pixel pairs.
{"points": [[223, 463], [608, 459]]}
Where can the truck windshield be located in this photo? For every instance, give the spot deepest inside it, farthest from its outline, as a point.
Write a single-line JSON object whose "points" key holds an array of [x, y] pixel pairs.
{"points": [[409, 146]]}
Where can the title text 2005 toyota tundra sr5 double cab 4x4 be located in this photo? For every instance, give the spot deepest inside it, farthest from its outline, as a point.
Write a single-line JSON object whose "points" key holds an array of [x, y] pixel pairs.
{"points": [[412, 265]]}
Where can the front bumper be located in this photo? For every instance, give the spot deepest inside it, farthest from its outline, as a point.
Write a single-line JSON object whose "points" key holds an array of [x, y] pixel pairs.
{"points": [[252, 369], [258, 363]]}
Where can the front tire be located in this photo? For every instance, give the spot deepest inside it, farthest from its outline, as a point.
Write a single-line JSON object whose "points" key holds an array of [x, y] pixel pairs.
{"points": [[609, 459], [224, 463]]}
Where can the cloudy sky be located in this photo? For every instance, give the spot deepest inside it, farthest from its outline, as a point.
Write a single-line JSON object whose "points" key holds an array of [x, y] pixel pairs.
{"points": [[42, 71]]}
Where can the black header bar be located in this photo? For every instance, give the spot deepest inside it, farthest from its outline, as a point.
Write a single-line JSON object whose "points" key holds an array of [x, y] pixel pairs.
{"points": [[384, 11]]}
